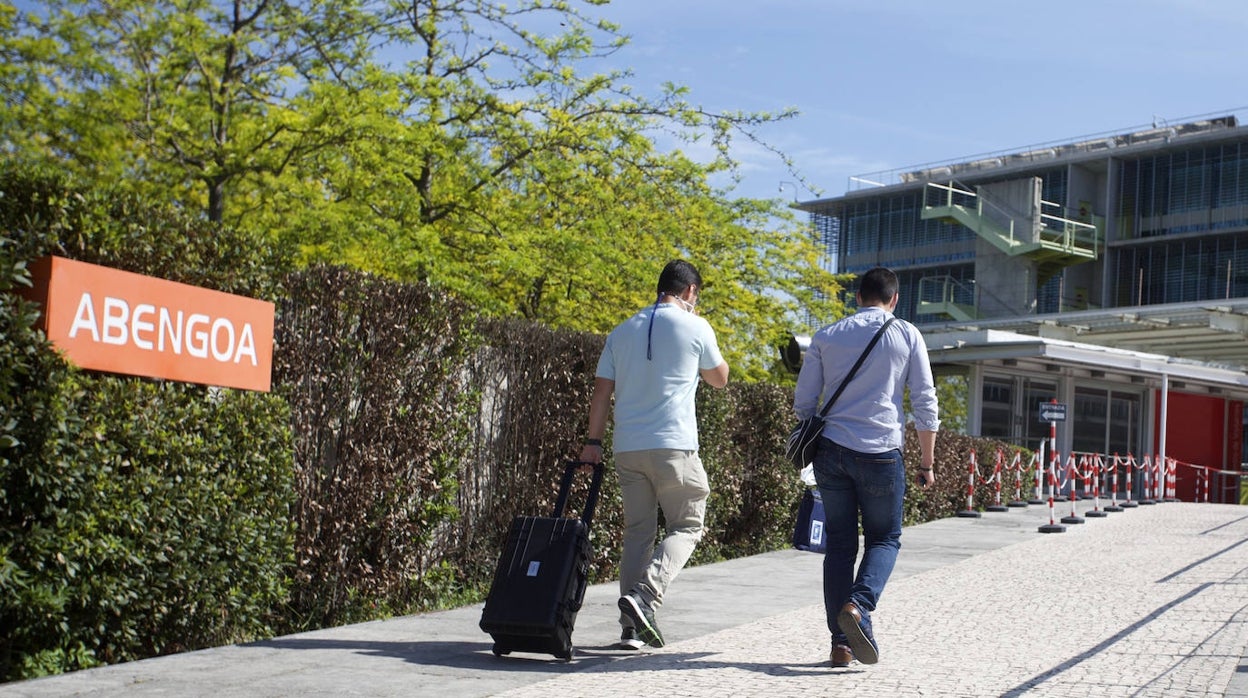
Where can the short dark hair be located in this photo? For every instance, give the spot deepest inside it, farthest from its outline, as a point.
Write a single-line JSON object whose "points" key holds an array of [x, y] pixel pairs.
{"points": [[878, 285], [677, 276]]}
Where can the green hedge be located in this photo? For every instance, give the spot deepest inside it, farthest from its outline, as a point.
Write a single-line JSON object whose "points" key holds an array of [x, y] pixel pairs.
{"points": [[136, 517], [373, 371], [151, 519]]}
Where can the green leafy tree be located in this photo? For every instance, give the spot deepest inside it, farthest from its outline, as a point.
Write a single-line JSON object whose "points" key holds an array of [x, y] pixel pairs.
{"points": [[952, 392], [188, 99], [533, 189], [457, 142]]}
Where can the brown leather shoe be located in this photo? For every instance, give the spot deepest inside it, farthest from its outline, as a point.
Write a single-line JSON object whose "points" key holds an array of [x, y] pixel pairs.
{"points": [[842, 656], [857, 629]]}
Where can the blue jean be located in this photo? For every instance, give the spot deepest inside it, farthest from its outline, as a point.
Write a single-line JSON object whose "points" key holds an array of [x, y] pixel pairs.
{"points": [[853, 483]]}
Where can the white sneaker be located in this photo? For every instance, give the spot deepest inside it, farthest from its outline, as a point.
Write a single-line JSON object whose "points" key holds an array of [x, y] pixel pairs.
{"points": [[643, 620], [629, 640]]}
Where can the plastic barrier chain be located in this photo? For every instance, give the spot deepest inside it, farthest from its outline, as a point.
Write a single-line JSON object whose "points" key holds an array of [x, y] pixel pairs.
{"points": [[1112, 474], [1204, 478], [1073, 472], [1052, 526], [1157, 480], [1017, 466], [1146, 474], [995, 481], [1096, 468]]}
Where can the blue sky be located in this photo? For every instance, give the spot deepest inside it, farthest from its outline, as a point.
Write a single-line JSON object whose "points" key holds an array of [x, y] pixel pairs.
{"points": [[885, 84]]}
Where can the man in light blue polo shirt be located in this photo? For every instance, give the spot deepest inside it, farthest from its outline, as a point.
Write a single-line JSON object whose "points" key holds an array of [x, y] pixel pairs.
{"points": [[652, 363], [858, 463]]}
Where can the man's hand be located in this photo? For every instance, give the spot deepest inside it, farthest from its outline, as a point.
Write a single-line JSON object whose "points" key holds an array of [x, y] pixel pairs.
{"points": [[926, 477], [590, 453]]}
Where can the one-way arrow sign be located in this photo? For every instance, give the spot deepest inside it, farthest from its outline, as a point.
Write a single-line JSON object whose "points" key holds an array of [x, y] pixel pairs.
{"points": [[1052, 411]]}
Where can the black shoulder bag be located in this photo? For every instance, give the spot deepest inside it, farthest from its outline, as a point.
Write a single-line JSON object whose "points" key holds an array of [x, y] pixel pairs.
{"points": [[804, 439]]}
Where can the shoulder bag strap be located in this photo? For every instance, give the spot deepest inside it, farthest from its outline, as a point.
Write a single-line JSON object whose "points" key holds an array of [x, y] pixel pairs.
{"points": [[857, 364]]}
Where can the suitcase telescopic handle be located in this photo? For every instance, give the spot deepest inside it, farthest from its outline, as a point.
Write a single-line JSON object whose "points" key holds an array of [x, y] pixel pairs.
{"points": [[565, 486]]}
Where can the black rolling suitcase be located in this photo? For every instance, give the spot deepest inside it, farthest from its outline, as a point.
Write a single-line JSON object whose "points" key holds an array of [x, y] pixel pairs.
{"points": [[541, 576]]}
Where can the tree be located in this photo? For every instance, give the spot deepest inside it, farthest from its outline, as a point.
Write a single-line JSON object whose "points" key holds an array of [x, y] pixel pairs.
{"points": [[452, 141], [187, 98], [952, 393], [533, 189]]}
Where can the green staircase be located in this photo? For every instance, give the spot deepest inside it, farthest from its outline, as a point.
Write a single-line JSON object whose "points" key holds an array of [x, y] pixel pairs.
{"points": [[944, 295], [1052, 241]]}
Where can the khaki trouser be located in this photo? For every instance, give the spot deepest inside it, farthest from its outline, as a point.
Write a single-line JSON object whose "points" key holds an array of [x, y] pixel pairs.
{"points": [[675, 481]]}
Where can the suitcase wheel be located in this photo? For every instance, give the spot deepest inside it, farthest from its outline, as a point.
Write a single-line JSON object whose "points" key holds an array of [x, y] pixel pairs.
{"points": [[499, 650]]}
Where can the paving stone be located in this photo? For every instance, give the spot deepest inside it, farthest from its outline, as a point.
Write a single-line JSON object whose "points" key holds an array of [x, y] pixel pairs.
{"points": [[1148, 602]]}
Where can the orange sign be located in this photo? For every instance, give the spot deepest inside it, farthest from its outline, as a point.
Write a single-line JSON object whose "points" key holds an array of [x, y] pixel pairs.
{"points": [[110, 320]]}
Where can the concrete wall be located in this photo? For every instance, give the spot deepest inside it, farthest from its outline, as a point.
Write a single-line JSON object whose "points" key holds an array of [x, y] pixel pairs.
{"points": [[1006, 286], [1020, 200]]}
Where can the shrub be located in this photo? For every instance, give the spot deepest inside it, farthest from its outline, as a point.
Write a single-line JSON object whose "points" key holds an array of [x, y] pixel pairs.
{"points": [[373, 370], [136, 517]]}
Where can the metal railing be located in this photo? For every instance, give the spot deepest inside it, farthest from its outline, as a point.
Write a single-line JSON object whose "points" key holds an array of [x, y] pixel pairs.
{"points": [[1068, 233], [971, 200], [1103, 141]]}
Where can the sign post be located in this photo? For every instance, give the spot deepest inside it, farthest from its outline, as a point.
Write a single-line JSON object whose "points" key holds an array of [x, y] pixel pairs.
{"points": [[110, 320], [1052, 412]]}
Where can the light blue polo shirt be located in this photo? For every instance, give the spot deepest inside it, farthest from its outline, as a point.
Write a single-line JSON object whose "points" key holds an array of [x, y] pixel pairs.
{"points": [[654, 398]]}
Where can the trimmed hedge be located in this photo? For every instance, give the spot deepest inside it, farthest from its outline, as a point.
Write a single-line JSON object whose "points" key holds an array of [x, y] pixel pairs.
{"points": [[373, 371], [151, 519], [136, 517]]}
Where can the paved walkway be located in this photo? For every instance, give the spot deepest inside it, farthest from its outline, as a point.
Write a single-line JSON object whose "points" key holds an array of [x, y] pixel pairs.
{"points": [[1151, 601]]}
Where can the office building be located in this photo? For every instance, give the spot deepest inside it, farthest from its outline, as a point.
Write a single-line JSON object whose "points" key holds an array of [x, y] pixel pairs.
{"points": [[1107, 273]]}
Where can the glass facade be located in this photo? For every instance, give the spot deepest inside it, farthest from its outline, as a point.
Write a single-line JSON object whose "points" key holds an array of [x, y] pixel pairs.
{"points": [[1181, 271], [1180, 233], [1054, 186], [997, 409], [1177, 210], [889, 231], [908, 283], [1103, 420], [1196, 190], [1106, 421]]}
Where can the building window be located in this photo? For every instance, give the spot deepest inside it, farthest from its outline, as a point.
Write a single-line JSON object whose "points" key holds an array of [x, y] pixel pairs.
{"points": [[1188, 191], [997, 412], [1036, 393], [1186, 271], [1105, 421], [1001, 418]]}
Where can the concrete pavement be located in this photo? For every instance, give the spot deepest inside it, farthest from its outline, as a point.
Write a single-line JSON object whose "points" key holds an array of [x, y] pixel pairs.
{"points": [[1151, 601]]}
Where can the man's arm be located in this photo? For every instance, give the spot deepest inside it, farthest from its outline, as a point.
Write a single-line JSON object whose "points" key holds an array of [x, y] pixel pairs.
{"points": [[599, 407], [923, 403], [927, 447], [716, 377]]}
